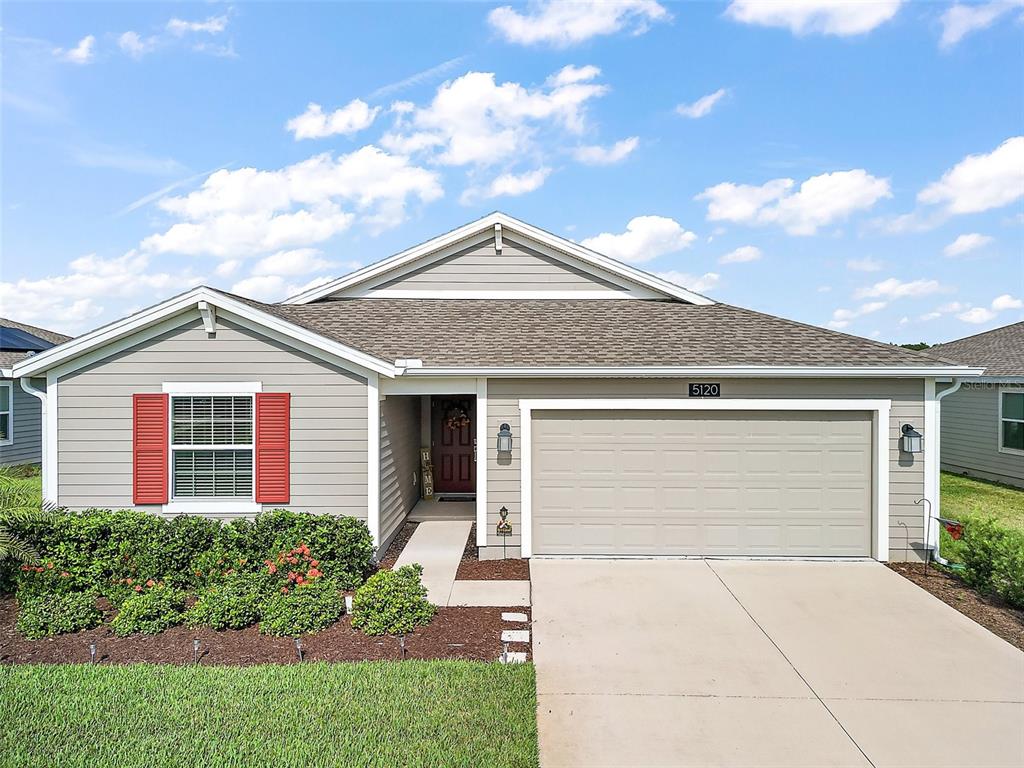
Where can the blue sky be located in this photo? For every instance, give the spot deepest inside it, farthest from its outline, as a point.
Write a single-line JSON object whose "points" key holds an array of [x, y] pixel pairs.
{"points": [[859, 166]]}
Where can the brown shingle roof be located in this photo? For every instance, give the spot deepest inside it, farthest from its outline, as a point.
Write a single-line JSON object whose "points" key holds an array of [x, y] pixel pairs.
{"points": [[1001, 350], [7, 359], [535, 333]]}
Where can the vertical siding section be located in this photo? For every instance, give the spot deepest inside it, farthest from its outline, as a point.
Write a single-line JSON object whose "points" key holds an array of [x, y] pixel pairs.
{"points": [[906, 472], [970, 434], [399, 461], [27, 428], [328, 415]]}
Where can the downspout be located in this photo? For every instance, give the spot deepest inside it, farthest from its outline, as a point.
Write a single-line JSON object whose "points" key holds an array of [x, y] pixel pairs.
{"points": [[26, 384], [934, 510]]}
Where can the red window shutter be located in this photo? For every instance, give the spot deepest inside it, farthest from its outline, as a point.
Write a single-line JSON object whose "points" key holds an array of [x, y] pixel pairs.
{"points": [[273, 471], [149, 448]]}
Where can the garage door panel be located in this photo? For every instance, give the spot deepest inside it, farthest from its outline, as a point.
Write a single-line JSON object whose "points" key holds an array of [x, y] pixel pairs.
{"points": [[691, 483]]}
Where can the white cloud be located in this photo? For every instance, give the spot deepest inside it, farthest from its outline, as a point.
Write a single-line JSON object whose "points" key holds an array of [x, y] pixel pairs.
{"points": [[967, 243], [562, 24], [980, 182], [473, 120], [212, 25], [824, 288], [696, 283], [136, 46], [420, 77], [867, 264], [508, 185], [228, 268], [300, 261], [645, 238], [77, 300], [828, 17], [893, 288], [841, 318], [1005, 302], [701, 106], [977, 315], [820, 200], [741, 254], [82, 53], [961, 19], [355, 116], [127, 159], [598, 155], [271, 288], [245, 212]]}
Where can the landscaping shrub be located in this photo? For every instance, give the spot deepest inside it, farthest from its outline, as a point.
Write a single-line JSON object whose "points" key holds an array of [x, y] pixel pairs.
{"points": [[57, 614], [154, 608], [44, 579], [392, 602], [234, 603], [299, 610], [993, 559]]}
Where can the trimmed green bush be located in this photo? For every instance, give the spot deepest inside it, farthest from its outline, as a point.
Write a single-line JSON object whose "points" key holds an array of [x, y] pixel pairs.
{"points": [[392, 602], [150, 611], [57, 614], [993, 559], [234, 603], [309, 607]]}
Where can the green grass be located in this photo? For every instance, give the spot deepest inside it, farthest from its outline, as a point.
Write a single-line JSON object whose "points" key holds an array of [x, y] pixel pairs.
{"points": [[967, 497], [413, 713]]}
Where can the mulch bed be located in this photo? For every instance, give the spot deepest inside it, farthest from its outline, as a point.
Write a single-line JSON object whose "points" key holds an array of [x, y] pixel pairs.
{"points": [[991, 613], [472, 568], [455, 633], [397, 545]]}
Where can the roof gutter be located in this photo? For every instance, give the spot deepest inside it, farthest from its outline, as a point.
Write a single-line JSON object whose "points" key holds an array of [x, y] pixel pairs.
{"points": [[695, 371]]}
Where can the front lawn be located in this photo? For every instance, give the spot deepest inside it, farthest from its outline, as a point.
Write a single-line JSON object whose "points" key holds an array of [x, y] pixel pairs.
{"points": [[969, 496], [413, 713]]}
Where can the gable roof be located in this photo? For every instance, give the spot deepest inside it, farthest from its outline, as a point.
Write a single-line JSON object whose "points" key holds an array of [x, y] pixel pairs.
{"points": [[9, 357], [573, 252], [1000, 351]]}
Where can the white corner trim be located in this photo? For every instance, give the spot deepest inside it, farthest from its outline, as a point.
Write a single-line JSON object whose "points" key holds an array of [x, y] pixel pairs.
{"points": [[931, 458], [51, 469], [880, 416], [9, 386], [373, 458], [211, 507], [482, 442], [212, 387]]}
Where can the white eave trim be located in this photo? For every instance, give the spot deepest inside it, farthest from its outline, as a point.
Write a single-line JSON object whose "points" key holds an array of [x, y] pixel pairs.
{"points": [[121, 329], [486, 226], [703, 372]]}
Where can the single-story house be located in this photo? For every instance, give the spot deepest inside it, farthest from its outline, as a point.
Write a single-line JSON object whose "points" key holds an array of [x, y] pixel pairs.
{"points": [[982, 428], [584, 406], [20, 420]]}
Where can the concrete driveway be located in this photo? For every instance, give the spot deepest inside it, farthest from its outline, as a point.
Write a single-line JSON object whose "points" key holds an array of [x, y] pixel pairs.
{"points": [[711, 663]]}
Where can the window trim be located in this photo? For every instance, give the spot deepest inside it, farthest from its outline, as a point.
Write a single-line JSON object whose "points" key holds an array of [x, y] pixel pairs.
{"points": [[999, 424], [207, 505], [9, 385]]}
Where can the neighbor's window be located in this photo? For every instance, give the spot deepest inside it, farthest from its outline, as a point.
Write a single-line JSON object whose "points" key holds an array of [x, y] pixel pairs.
{"points": [[1011, 421], [212, 446], [6, 413]]}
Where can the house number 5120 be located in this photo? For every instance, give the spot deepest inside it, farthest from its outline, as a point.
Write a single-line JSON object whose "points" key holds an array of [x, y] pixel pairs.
{"points": [[705, 390]]}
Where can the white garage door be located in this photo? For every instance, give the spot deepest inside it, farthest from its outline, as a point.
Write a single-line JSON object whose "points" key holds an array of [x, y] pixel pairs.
{"points": [[701, 483]]}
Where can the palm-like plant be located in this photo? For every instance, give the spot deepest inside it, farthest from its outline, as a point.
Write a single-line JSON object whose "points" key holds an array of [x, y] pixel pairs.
{"points": [[21, 504]]}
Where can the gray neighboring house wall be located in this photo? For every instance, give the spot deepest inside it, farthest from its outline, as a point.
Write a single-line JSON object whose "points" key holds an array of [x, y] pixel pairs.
{"points": [[24, 445], [980, 419]]}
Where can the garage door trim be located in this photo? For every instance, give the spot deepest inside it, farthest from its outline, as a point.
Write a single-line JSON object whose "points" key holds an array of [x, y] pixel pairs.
{"points": [[880, 451]]}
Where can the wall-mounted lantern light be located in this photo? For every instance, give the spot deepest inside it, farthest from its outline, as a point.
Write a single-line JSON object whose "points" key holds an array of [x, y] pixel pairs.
{"points": [[504, 439], [911, 441]]}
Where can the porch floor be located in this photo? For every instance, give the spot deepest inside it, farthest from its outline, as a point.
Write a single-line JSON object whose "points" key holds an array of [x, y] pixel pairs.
{"points": [[426, 511]]}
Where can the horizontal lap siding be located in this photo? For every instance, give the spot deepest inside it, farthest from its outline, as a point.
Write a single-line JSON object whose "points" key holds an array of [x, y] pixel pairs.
{"points": [[906, 475], [27, 428], [399, 461], [970, 433], [328, 415]]}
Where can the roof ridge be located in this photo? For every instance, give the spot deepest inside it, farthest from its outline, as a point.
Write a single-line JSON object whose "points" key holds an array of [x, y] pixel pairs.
{"points": [[980, 333]]}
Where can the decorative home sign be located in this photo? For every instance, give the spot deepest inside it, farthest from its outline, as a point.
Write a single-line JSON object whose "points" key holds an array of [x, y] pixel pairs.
{"points": [[705, 390], [504, 526]]}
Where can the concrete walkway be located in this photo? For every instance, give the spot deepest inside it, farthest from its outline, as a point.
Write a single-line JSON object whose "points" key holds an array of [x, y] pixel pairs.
{"points": [[704, 663]]}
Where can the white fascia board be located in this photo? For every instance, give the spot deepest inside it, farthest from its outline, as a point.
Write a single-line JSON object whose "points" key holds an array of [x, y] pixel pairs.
{"points": [[695, 372], [485, 226], [65, 354], [6, 373]]}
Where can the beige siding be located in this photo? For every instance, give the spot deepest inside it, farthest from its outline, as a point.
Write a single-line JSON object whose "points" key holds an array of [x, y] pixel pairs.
{"points": [[328, 416], [399, 461], [970, 433], [906, 476], [516, 268], [27, 428]]}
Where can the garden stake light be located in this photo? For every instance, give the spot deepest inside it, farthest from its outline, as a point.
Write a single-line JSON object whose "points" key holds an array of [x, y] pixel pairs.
{"points": [[298, 648], [504, 653], [92, 653], [401, 644], [195, 650]]}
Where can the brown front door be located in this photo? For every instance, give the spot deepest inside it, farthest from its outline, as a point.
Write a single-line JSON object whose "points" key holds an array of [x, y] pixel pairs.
{"points": [[453, 439]]}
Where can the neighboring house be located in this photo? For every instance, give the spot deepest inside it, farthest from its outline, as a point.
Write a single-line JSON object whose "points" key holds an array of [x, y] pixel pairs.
{"points": [[602, 409], [982, 427], [20, 423]]}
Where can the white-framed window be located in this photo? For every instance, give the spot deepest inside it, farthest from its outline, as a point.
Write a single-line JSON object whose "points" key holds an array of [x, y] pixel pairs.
{"points": [[212, 448], [1011, 420], [6, 412]]}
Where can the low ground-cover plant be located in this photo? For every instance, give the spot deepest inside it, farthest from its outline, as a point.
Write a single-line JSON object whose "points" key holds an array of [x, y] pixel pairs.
{"points": [[392, 602], [993, 559], [153, 609], [57, 614], [299, 610]]}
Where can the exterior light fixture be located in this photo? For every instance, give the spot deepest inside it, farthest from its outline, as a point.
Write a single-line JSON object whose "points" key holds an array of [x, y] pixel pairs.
{"points": [[401, 644], [92, 653], [911, 441], [195, 650], [504, 439], [298, 648]]}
